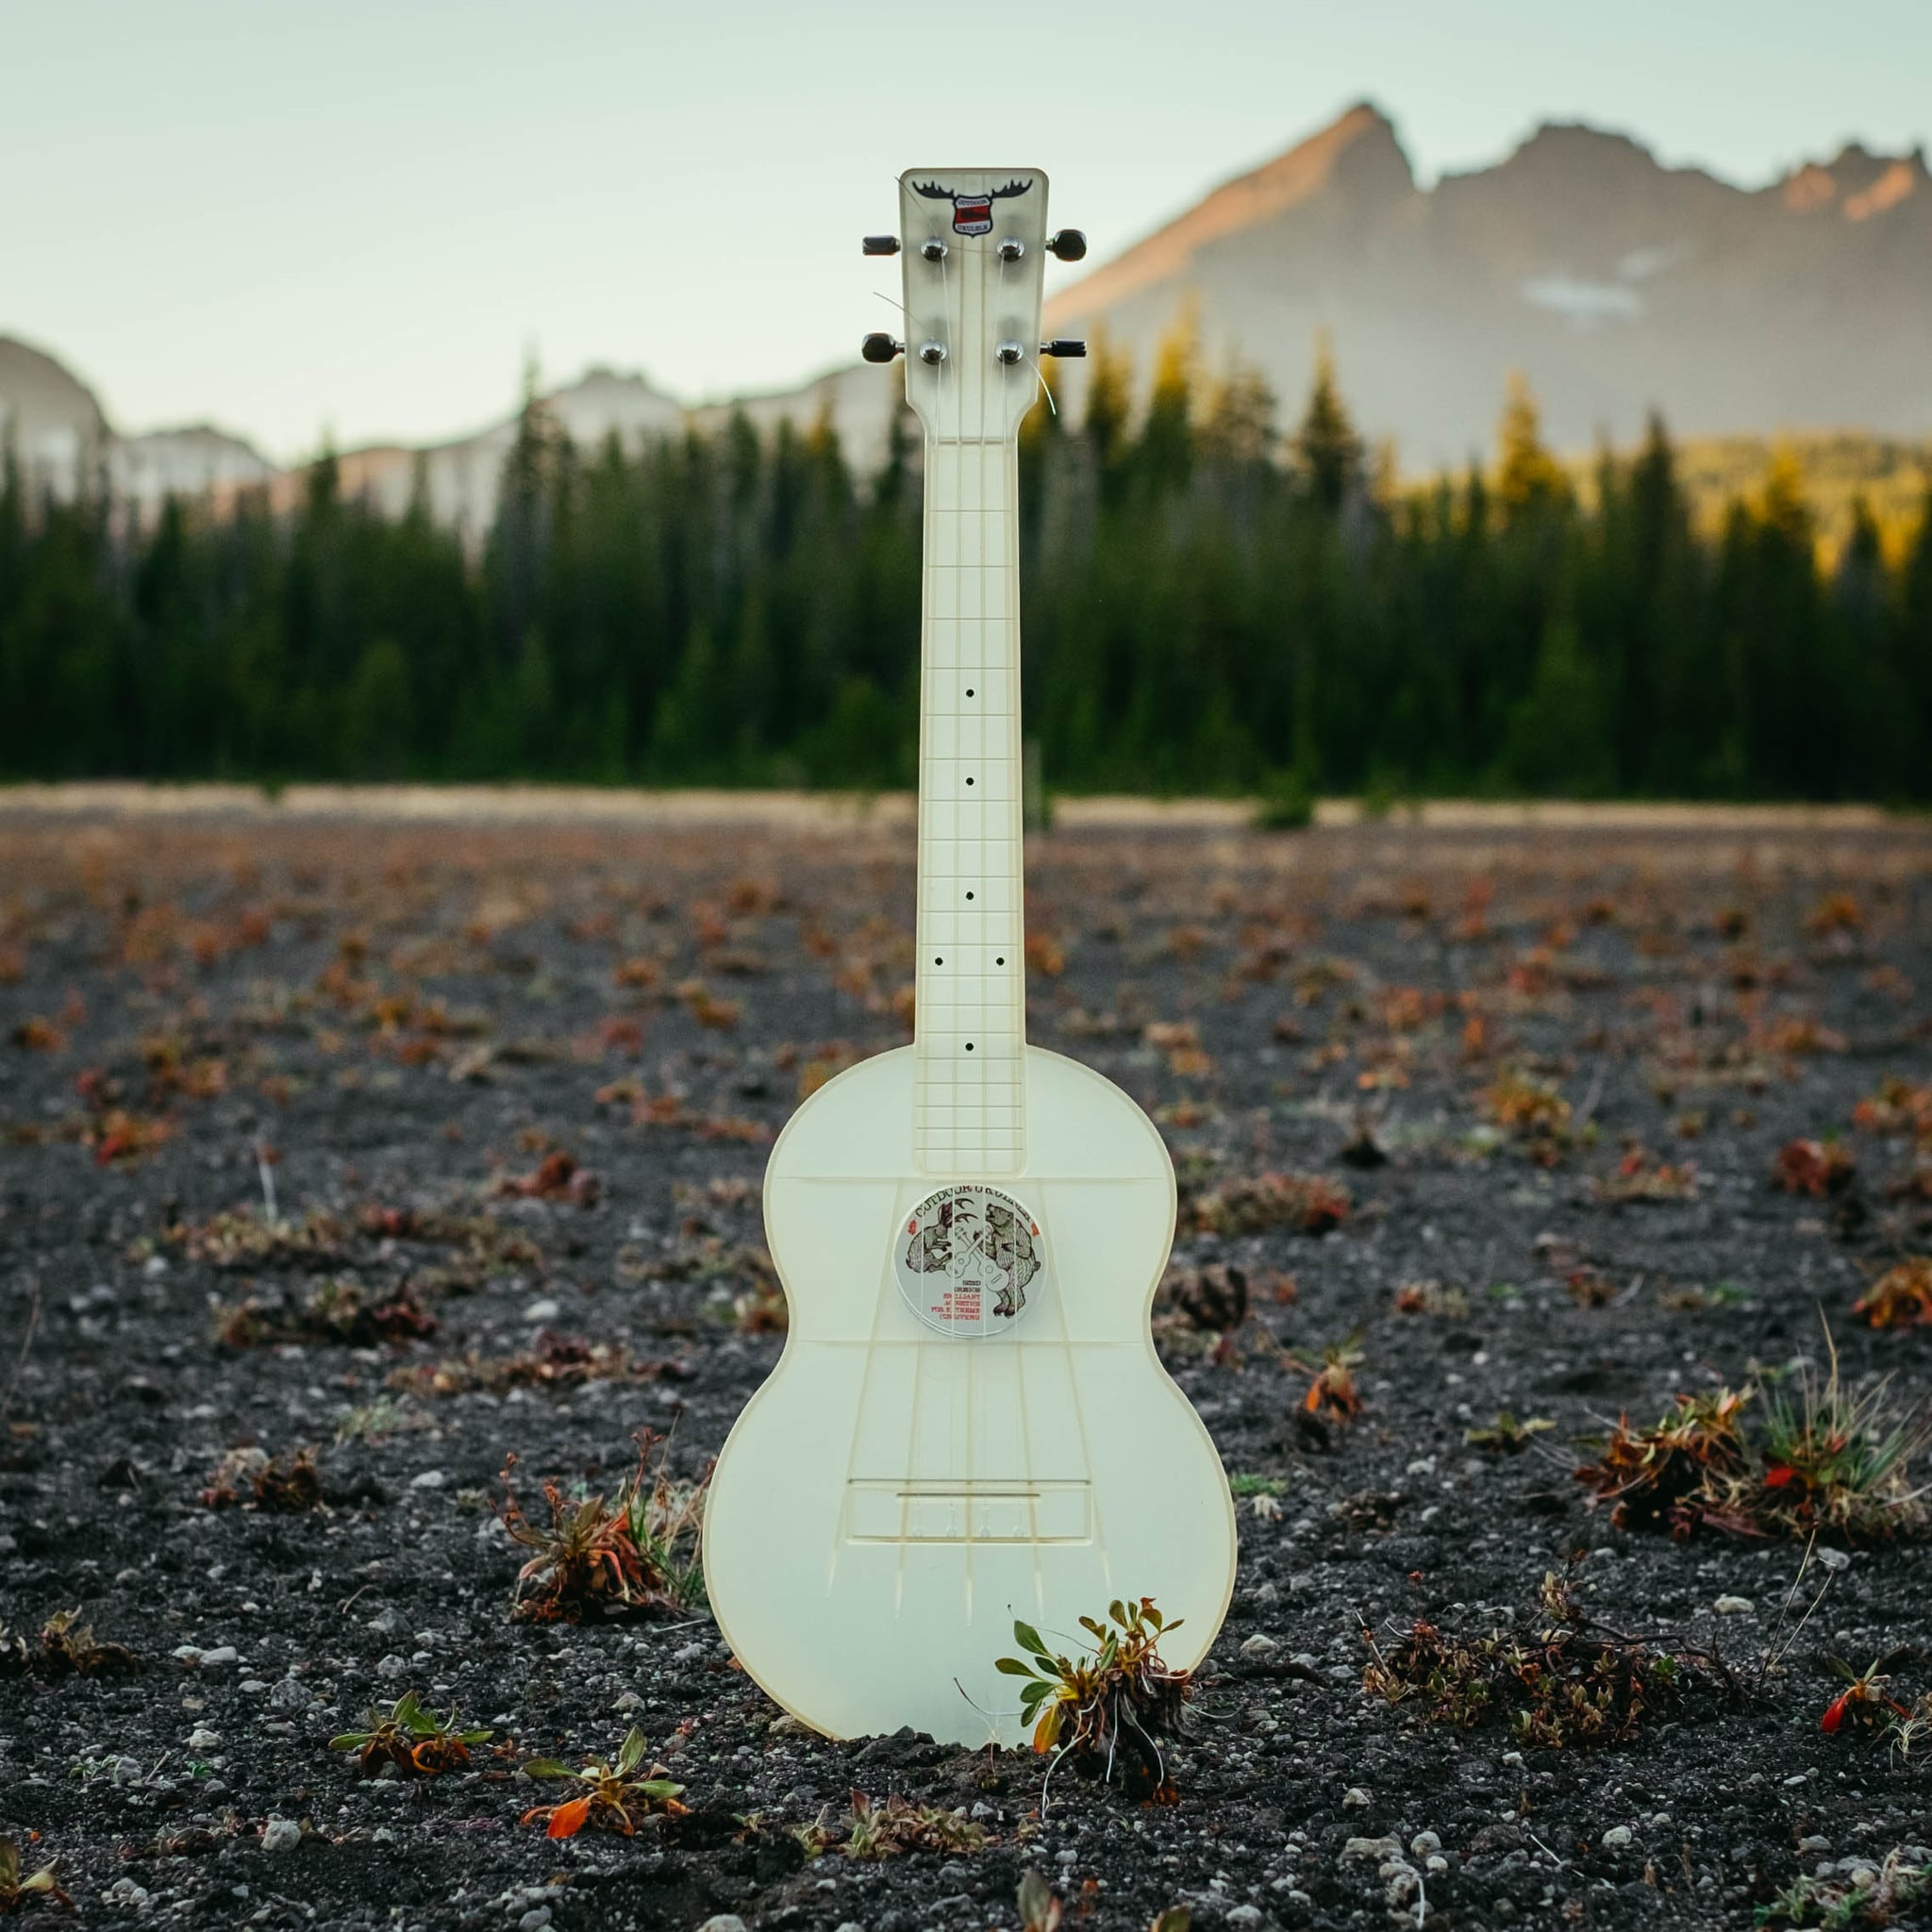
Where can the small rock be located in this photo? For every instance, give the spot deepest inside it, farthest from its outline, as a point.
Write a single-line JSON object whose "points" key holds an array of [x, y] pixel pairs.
{"points": [[788, 1727], [1377, 1848], [1260, 1644], [291, 1695], [1811, 1847], [1833, 1559], [1243, 1915], [126, 1771], [202, 1739], [1424, 1843], [722, 1921], [534, 1920], [393, 1666], [1616, 1838], [1402, 1880], [547, 1310], [1733, 1606], [124, 1893], [429, 1479], [219, 1657], [280, 1835], [1354, 1799]]}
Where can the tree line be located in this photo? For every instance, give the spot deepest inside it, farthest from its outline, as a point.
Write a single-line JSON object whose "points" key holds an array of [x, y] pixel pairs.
{"points": [[1210, 605]]}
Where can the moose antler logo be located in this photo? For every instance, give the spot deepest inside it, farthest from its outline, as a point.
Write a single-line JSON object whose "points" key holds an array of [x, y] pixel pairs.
{"points": [[972, 213]]}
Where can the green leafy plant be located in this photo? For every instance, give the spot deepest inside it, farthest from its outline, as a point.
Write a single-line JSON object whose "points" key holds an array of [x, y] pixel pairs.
{"points": [[1505, 1436], [16, 1891], [1108, 1709], [416, 1741], [613, 1797]]}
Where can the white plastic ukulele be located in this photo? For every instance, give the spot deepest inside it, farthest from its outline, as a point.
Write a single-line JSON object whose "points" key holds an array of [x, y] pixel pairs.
{"points": [[969, 1423]]}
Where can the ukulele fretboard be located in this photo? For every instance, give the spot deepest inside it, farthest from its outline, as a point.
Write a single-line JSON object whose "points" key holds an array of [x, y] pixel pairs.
{"points": [[971, 980]]}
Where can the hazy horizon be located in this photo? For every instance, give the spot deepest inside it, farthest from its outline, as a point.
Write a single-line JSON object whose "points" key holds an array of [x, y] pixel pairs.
{"points": [[362, 223]]}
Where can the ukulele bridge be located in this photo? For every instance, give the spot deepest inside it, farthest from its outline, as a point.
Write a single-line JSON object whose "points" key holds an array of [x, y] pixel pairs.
{"points": [[894, 1509]]}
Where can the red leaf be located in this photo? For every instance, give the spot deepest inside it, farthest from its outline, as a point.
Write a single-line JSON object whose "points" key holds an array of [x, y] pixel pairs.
{"points": [[1834, 1712], [568, 1819]]}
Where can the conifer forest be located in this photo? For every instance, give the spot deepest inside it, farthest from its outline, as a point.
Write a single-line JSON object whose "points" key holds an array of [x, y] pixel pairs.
{"points": [[1214, 603]]}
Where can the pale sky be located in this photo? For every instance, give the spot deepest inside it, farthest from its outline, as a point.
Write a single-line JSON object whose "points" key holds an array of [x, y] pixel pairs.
{"points": [[293, 216]]}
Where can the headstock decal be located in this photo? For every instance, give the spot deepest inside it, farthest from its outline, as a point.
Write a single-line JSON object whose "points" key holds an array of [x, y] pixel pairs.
{"points": [[972, 213]]}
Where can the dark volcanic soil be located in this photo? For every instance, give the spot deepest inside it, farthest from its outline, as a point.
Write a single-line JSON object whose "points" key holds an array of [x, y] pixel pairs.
{"points": [[412, 1018]]}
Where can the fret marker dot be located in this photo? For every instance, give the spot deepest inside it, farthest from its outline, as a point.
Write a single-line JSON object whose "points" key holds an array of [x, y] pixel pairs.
{"points": [[969, 895], [939, 962], [969, 1046], [999, 962], [969, 781], [969, 690]]}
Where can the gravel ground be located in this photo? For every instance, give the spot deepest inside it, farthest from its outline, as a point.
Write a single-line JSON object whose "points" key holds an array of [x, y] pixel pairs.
{"points": [[394, 1028]]}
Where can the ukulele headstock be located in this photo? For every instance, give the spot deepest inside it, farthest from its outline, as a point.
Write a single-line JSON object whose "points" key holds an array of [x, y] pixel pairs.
{"points": [[974, 243]]}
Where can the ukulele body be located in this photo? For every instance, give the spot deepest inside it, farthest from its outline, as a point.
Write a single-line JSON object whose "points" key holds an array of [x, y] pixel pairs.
{"points": [[908, 1482]]}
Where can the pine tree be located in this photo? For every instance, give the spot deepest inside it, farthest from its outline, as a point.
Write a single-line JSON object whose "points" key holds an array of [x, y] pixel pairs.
{"points": [[1328, 452]]}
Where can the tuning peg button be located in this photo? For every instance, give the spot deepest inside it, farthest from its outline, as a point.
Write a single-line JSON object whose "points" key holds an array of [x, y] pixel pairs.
{"points": [[882, 244], [880, 349], [1069, 244], [1063, 345]]}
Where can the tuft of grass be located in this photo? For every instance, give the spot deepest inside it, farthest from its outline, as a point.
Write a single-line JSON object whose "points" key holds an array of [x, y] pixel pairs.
{"points": [[613, 1797], [638, 1550], [1560, 1681], [1823, 1459], [415, 1742], [1870, 1896], [1107, 1709]]}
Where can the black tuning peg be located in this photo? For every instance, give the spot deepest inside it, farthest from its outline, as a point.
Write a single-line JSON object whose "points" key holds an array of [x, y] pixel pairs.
{"points": [[889, 244], [1069, 244], [880, 349], [1063, 345]]}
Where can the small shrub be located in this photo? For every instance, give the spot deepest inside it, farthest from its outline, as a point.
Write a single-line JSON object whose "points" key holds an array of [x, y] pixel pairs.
{"points": [[1505, 1436], [16, 1891], [638, 1550], [1108, 1709], [614, 1798], [1813, 1167], [1311, 1204], [873, 1829], [415, 1742], [256, 1479], [66, 1648], [1900, 1297], [1556, 1682], [1532, 1112], [1869, 1895]]}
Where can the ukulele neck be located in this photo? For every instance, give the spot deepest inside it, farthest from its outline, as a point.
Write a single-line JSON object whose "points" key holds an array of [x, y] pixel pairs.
{"points": [[969, 1030]]}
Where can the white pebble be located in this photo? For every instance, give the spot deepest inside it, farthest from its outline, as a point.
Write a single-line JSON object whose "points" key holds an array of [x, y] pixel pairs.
{"points": [[429, 1479], [545, 1310], [1354, 1798], [1260, 1644], [1733, 1606], [280, 1835], [1616, 1838]]}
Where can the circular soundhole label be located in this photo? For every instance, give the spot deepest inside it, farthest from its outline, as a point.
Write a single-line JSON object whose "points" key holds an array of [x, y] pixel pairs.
{"points": [[969, 1260]]}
